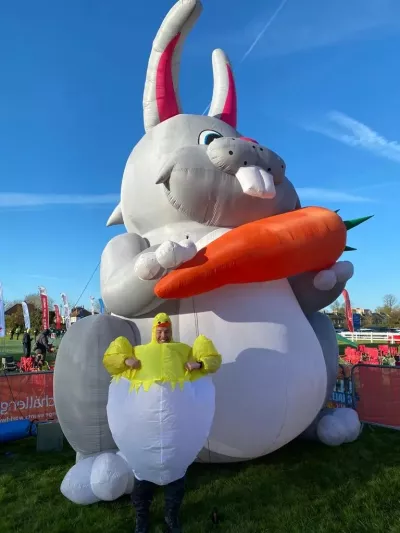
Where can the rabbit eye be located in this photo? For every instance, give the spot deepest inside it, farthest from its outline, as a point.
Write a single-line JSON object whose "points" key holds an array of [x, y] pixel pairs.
{"points": [[208, 136]]}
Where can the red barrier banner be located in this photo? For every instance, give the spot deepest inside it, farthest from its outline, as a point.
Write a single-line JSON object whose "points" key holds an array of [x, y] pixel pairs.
{"points": [[27, 396], [376, 391], [377, 394]]}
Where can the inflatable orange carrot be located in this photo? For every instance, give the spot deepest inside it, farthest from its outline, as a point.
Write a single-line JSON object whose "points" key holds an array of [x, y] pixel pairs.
{"points": [[308, 239]]}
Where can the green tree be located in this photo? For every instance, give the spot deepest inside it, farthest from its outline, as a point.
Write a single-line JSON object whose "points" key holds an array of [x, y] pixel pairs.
{"points": [[36, 319], [367, 321], [15, 320], [394, 321]]}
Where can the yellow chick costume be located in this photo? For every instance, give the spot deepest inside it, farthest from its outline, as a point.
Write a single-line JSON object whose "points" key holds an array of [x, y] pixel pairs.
{"points": [[160, 415]]}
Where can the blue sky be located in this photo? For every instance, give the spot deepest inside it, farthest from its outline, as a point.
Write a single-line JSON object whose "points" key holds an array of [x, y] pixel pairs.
{"points": [[318, 82]]}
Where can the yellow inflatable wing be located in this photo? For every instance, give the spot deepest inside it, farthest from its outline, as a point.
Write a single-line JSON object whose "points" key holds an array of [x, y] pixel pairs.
{"points": [[161, 363], [116, 355], [204, 352]]}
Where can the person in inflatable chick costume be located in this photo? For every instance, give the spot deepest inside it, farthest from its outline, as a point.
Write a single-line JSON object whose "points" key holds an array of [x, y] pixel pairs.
{"points": [[160, 408]]}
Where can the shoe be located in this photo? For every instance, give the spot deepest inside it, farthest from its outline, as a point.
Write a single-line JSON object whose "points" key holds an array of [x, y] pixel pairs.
{"points": [[142, 524], [174, 493], [173, 525]]}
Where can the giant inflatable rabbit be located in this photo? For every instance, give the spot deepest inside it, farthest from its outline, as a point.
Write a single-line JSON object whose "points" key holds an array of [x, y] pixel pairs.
{"points": [[188, 181]]}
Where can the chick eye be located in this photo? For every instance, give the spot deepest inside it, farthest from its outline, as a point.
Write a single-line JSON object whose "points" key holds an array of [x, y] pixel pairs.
{"points": [[208, 136]]}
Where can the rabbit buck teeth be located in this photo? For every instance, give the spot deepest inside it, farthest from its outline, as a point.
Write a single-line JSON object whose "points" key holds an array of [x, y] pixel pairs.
{"points": [[256, 181]]}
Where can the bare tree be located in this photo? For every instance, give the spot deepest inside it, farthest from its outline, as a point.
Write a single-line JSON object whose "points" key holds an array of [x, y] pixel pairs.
{"points": [[10, 303], [391, 310], [35, 300], [337, 307], [390, 302]]}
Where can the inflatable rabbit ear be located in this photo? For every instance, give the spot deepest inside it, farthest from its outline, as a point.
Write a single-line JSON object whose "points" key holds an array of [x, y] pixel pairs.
{"points": [[160, 99], [223, 104], [116, 217]]}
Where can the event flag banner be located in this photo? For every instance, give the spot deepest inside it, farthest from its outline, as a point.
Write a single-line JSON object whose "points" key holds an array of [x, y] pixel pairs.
{"points": [[2, 316], [45, 308], [58, 316], [102, 307], [349, 313], [92, 299], [27, 318], [67, 319]]}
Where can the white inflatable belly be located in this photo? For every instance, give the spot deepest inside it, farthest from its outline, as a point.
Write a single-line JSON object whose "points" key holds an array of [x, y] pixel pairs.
{"points": [[273, 379], [160, 432]]}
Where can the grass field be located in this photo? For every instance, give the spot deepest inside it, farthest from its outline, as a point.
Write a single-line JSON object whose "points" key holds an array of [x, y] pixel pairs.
{"points": [[303, 488]]}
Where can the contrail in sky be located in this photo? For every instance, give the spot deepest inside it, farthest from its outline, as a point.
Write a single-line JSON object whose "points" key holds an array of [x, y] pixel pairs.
{"points": [[265, 28], [259, 36]]}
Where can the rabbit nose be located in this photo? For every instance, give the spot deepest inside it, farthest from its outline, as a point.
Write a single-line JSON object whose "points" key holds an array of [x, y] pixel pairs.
{"points": [[248, 161]]}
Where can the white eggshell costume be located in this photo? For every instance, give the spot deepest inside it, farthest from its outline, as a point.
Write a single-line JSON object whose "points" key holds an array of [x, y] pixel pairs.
{"points": [[160, 416]]}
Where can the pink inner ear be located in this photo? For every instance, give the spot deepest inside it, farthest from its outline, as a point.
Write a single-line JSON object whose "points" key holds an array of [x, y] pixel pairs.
{"points": [[249, 139], [167, 104], [229, 113]]}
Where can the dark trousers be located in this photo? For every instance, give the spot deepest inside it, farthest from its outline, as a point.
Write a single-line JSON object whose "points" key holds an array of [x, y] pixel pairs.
{"points": [[142, 496]]}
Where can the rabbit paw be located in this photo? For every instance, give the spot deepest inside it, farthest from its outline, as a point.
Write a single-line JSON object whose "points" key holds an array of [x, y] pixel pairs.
{"points": [[103, 477], [169, 255], [342, 426], [341, 272]]}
